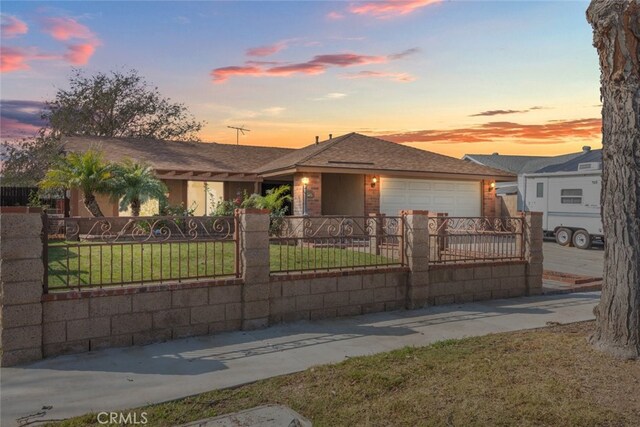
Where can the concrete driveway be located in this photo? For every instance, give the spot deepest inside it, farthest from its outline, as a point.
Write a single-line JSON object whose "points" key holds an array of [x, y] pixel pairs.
{"points": [[583, 262]]}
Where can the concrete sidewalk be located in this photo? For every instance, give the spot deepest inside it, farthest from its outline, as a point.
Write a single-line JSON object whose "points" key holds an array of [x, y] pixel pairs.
{"points": [[117, 379]]}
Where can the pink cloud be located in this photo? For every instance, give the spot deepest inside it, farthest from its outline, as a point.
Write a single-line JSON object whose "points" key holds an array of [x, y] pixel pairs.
{"points": [[302, 68], [61, 28], [316, 65], [10, 26], [335, 16], [12, 59], [266, 50], [386, 8], [397, 77], [79, 54], [221, 75], [347, 59]]}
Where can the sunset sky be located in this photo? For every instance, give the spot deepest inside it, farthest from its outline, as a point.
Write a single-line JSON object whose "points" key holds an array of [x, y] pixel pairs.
{"points": [[453, 77]]}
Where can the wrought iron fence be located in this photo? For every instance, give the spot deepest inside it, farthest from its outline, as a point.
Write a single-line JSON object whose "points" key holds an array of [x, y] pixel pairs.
{"points": [[321, 243], [97, 252], [475, 239]]}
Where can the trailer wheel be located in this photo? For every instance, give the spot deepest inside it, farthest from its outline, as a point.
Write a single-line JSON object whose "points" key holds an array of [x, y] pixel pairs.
{"points": [[563, 236], [581, 239]]}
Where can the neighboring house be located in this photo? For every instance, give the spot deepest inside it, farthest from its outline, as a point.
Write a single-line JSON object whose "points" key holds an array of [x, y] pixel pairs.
{"points": [[519, 165], [351, 174]]}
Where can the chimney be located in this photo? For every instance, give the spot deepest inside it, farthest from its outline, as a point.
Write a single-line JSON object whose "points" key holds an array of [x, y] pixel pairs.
{"points": [[330, 136], [586, 149], [317, 139]]}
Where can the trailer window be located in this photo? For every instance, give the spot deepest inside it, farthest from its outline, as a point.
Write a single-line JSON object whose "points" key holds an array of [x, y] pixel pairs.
{"points": [[540, 189], [571, 196]]}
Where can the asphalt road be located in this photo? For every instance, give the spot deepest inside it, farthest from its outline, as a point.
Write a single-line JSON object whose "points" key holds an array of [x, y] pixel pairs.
{"points": [[584, 262]]}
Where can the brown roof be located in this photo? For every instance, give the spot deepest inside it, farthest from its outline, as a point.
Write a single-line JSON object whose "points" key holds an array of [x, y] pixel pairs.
{"points": [[356, 151], [180, 156], [350, 152]]}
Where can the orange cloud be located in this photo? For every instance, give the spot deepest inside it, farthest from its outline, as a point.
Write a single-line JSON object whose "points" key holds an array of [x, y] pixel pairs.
{"points": [[61, 28], [10, 26], [386, 8], [12, 59], [397, 77], [552, 132]]}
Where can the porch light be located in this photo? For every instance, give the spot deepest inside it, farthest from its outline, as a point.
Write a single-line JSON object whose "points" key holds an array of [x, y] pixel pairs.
{"points": [[305, 181], [492, 185], [374, 181]]}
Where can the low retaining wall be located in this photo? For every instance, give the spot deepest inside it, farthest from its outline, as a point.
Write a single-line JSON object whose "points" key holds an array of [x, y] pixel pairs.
{"points": [[325, 295], [75, 322], [35, 325], [450, 284]]}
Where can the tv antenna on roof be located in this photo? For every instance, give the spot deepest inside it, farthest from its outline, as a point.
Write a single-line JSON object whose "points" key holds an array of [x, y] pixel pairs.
{"points": [[239, 130]]}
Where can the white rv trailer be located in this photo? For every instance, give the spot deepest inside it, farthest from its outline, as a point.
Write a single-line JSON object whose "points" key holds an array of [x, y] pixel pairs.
{"points": [[569, 202]]}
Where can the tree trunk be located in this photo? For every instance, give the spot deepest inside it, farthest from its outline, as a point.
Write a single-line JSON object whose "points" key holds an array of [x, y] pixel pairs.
{"points": [[92, 206], [135, 207], [616, 36]]}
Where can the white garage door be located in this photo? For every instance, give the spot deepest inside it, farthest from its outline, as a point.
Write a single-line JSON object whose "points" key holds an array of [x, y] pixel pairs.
{"points": [[457, 198]]}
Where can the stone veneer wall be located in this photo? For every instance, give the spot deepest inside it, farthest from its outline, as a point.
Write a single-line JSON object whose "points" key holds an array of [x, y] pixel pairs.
{"points": [[33, 324]]}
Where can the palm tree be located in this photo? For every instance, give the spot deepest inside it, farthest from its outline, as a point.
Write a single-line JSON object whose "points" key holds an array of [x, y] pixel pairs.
{"points": [[87, 172], [133, 184]]}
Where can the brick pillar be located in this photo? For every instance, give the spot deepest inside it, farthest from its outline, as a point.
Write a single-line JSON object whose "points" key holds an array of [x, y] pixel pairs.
{"points": [[314, 193], [533, 251], [416, 246], [371, 195], [21, 276], [488, 198], [254, 257]]}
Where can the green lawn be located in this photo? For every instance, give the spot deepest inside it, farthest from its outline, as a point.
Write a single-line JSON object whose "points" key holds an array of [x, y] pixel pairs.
{"points": [[83, 264], [546, 377]]}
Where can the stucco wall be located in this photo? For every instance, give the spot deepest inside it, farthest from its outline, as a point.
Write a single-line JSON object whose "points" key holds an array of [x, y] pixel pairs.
{"points": [[77, 207]]}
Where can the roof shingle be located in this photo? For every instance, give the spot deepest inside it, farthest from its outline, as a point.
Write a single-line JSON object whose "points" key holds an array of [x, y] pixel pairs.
{"points": [[357, 151], [180, 156]]}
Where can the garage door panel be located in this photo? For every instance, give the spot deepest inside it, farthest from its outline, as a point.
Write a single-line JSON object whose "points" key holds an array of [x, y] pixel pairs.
{"points": [[457, 198]]}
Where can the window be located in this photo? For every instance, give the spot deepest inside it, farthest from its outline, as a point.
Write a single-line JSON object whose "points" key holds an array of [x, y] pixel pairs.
{"points": [[540, 189], [571, 196]]}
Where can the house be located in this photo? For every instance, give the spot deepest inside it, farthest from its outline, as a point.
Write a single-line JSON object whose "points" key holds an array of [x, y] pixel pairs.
{"points": [[352, 174], [518, 165]]}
